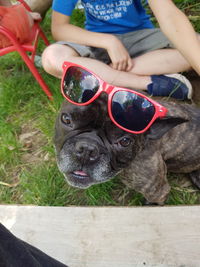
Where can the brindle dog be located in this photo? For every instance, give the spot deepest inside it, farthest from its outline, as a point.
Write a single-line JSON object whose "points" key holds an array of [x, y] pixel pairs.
{"points": [[91, 149]]}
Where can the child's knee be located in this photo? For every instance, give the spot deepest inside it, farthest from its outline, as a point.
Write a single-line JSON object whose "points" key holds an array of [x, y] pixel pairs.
{"points": [[49, 56], [53, 57]]}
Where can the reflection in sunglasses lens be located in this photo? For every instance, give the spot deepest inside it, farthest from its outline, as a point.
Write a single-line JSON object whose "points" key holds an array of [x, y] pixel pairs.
{"points": [[131, 111], [79, 85]]}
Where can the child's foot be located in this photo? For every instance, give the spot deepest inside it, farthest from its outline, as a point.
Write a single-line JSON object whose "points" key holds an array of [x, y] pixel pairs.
{"points": [[173, 85], [35, 15]]}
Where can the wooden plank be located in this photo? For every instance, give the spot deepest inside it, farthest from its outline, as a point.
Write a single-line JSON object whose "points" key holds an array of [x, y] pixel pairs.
{"points": [[110, 236]]}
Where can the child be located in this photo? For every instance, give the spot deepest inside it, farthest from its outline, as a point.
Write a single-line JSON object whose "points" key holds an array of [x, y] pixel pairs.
{"points": [[120, 44]]}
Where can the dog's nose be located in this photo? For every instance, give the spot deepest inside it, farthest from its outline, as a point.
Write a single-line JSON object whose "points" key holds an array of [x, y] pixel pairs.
{"points": [[86, 152]]}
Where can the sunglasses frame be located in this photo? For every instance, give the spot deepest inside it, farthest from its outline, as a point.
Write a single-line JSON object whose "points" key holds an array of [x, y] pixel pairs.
{"points": [[110, 90]]}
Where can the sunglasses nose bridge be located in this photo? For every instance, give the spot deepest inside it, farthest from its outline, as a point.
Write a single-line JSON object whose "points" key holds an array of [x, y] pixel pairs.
{"points": [[107, 88]]}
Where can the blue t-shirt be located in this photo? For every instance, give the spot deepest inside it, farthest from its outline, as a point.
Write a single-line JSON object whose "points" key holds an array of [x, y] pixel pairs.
{"points": [[108, 16]]}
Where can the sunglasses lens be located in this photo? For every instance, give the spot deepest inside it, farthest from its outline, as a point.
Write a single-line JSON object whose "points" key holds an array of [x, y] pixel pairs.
{"points": [[79, 85], [131, 111]]}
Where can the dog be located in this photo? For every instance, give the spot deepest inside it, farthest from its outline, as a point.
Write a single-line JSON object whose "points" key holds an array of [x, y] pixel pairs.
{"points": [[90, 149]]}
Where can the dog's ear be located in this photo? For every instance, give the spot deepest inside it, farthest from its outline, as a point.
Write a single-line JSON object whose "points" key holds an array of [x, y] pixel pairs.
{"points": [[177, 113], [162, 126]]}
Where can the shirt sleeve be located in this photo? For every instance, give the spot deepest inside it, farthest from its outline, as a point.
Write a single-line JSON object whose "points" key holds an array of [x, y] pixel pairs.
{"points": [[64, 7]]}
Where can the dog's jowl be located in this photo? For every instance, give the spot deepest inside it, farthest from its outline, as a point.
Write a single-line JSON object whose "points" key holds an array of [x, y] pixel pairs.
{"points": [[91, 149]]}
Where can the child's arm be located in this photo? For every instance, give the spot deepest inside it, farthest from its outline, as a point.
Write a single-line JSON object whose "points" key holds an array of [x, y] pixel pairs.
{"points": [[176, 26], [63, 30]]}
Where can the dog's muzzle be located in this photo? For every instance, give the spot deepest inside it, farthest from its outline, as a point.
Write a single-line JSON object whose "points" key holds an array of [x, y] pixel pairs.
{"points": [[88, 146], [86, 152]]}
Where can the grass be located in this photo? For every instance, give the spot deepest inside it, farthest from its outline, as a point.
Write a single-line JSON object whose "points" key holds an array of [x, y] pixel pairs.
{"points": [[28, 170]]}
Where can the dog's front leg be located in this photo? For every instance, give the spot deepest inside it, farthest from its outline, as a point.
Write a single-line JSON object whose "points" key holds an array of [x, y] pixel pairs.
{"points": [[147, 175]]}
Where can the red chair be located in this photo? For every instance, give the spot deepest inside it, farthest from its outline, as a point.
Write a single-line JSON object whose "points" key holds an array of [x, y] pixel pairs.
{"points": [[30, 46]]}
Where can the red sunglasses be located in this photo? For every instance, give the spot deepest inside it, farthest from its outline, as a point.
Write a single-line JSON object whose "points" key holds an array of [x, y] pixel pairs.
{"points": [[129, 110]]}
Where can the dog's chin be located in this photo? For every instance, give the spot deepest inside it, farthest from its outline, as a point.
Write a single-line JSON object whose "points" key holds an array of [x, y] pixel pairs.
{"points": [[80, 180]]}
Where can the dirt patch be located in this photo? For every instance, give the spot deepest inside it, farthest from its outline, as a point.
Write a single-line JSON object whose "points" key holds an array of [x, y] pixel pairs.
{"points": [[33, 142]]}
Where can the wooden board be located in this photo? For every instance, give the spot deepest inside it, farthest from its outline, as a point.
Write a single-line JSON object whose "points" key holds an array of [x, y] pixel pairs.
{"points": [[110, 236]]}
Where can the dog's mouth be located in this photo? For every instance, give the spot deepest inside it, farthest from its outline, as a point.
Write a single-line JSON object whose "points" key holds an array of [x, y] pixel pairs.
{"points": [[80, 174], [79, 179]]}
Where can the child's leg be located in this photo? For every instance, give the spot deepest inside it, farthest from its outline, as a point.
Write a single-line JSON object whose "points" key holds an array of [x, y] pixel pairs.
{"points": [[178, 87], [54, 56], [5, 3], [162, 61]]}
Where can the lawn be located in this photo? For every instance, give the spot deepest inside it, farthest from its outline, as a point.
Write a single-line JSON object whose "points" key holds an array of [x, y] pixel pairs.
{"points": [[28, 170]]}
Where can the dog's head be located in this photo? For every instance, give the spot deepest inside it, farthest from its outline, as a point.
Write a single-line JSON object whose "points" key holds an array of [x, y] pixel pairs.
{"points": [[91, 149]]}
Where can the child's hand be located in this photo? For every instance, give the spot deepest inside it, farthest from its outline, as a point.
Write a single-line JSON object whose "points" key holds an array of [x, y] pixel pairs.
{"points": [[119, 55], [33, 16]]}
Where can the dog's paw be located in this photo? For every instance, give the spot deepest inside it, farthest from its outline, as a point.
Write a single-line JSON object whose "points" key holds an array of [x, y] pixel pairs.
{"points": [[195, 177], [152, 204]]}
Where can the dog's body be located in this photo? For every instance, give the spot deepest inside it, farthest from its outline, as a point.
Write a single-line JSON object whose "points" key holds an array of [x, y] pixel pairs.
{"points": [[91, 149]]}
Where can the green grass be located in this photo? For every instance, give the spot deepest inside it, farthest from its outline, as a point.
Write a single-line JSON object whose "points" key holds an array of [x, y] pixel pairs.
{"points": [[28, 170]]}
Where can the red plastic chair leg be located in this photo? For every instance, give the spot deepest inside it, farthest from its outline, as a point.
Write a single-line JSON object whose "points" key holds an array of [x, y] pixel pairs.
{"points": [[43, 36], [39, 79]]}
